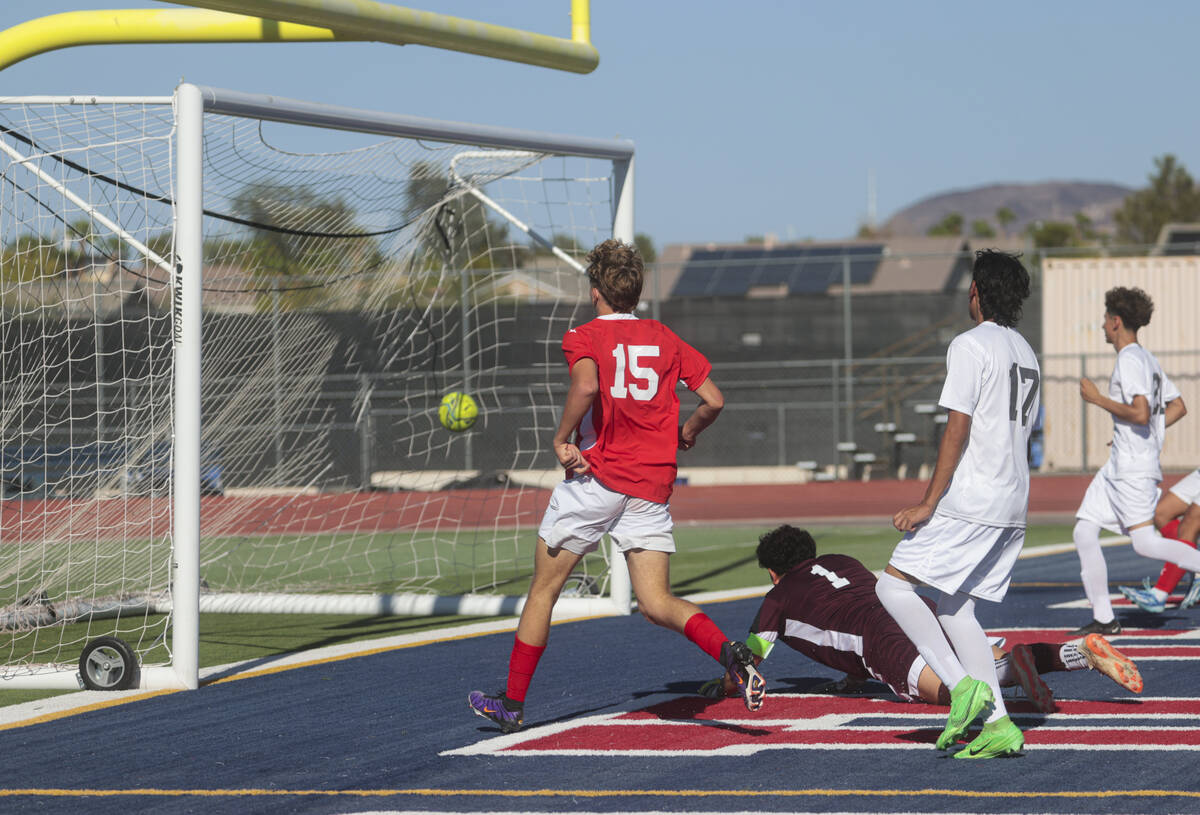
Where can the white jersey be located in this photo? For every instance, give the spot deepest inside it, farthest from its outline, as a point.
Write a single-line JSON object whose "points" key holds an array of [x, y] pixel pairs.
{"points": [[1136, 447], [992, 375]]}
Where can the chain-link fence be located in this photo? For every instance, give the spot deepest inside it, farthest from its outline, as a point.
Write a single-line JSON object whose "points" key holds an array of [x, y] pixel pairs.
{"points": [[842, 383]]}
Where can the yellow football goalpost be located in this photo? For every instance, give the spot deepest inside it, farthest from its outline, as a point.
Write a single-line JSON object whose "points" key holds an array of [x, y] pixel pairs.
{"points": [[302, 21]]}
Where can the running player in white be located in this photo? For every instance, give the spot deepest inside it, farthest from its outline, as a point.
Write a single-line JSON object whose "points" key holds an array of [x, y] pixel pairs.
{"points": [[965, 535], [1122, 496]]}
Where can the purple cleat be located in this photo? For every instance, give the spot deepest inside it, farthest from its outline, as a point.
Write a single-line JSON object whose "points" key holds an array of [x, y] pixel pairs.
{"points": [[509, 715], [739, 667]]}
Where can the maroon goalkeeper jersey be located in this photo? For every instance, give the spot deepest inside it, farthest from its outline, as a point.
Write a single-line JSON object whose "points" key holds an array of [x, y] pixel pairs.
{"points": [[631, 433], [826, 609]]}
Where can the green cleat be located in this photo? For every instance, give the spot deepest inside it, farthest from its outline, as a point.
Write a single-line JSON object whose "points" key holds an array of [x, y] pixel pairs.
{"points": [[999, 739], [968, 699]]}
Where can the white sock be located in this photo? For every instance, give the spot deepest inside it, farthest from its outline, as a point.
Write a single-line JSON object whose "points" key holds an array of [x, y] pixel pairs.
{"points": [[1005, 674], [1072, 657], [1093, 571], [1148, 543], [917, 621], [1159, 593], [956, 613]]}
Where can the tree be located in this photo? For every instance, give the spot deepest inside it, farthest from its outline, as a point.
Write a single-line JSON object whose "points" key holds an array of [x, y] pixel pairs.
{"points": [[980, 228], [465, 234], [951, 225], [1171, 197], [299, 232], [1053, 234], [29, 258], [562, 241], [645, 246], [1004, 217], [1086, 228]]}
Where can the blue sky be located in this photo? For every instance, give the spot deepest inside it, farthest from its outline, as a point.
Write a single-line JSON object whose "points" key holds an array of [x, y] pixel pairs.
{"points": [[754, 117]]}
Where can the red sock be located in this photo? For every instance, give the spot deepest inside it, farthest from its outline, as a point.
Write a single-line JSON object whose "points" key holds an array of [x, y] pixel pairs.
{"points": [[1171, 574], [704, 632], [521, 666]]}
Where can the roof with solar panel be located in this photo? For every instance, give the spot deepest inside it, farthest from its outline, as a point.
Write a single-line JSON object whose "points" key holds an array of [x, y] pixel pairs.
{"points": [[764, 270]]}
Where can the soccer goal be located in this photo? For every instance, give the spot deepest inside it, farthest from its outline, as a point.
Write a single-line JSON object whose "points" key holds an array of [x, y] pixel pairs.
{"points": [[228, 322]]}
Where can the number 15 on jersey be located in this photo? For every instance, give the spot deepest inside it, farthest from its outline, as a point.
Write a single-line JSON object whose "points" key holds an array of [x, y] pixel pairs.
{"points": [[642, 382]]}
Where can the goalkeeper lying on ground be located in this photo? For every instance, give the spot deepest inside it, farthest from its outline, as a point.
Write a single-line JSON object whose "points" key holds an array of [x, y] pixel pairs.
{"points": [[826, 608]]}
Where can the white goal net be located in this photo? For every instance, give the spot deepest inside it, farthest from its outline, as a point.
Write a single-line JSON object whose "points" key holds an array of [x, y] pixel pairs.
{"points": [[356, 268]]}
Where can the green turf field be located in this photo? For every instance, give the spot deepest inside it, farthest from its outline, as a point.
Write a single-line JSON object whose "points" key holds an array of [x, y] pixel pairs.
{"points": [[709, 558]]}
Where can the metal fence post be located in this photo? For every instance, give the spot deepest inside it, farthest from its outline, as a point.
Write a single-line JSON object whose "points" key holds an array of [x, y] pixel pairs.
{"points": [[1083, 428], [837, 409], [366, 436], [276, 394], [781, 420], [848, 347]]}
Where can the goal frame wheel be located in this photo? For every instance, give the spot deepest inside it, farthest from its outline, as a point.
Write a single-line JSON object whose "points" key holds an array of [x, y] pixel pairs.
{"points": [[108, 663]]}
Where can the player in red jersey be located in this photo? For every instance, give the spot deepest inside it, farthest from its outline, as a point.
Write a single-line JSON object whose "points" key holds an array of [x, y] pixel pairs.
{"points": [[617, 441], [826, 608]]}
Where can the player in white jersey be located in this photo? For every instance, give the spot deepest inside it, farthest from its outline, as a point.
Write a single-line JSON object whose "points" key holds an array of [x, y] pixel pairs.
{"points": [[1122, 496], [1176, 516], [965, 535]]}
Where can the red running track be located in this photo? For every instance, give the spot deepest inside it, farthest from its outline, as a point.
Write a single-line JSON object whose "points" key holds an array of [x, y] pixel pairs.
{"points": [[1051, 497]]}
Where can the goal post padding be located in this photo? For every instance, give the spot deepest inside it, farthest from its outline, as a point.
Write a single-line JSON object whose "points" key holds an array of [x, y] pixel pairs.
{"points": [[229, 321]]}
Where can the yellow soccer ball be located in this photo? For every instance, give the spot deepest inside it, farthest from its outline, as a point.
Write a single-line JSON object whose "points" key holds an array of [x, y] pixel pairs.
{"points": [[458, 411]]}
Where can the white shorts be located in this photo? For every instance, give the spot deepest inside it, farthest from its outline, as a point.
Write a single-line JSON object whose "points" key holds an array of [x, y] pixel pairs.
{"points": [[582, 510], [1187, 489], [954, 555], [1117, 504]]}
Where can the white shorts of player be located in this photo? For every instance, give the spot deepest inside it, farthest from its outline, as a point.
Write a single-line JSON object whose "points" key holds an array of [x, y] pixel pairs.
{"points": [[1187, 489], [582, 510], [953, 555], [1117, 504]]}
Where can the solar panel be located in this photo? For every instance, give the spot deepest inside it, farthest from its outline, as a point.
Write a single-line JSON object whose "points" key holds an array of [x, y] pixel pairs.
{"points": [[732, 271], [778, 267], [692, 282], [729, 282]]}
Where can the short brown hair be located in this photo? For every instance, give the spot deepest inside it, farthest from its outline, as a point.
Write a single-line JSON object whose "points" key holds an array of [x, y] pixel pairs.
{"points": [[1133, 306], [615, 270]]}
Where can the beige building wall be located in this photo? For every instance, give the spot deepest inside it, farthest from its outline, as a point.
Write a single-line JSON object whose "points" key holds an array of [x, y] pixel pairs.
{"points": [[1073, 345]]}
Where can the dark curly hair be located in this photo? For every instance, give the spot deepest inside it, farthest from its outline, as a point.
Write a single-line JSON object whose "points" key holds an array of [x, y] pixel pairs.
{"points": [[1002, 285], [615, 269], [783, 547], [1133, 306]]}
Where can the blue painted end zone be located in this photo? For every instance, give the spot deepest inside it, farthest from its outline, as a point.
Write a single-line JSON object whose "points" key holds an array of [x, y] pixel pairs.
{"points": [[377, 733]]}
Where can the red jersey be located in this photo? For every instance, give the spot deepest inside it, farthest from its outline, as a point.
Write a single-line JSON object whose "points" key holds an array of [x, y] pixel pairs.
{"points": [[631, 432]]}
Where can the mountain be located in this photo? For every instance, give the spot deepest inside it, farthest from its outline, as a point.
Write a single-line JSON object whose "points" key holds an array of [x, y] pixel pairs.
{"points": [[1045, 201]]}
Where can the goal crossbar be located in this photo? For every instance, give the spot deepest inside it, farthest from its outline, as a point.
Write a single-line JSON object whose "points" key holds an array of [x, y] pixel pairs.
{"points": [[314, 114]]}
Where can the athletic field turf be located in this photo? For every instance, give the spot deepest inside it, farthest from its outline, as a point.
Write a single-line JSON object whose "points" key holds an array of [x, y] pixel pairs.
{"points": [[613, 724]]}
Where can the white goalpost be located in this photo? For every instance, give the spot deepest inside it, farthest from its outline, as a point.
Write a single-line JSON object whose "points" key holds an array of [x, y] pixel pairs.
{"points": [[227, 322]]}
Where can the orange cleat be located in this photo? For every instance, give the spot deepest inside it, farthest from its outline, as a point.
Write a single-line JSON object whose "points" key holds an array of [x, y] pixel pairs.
{"points": [[1102, 657]]}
